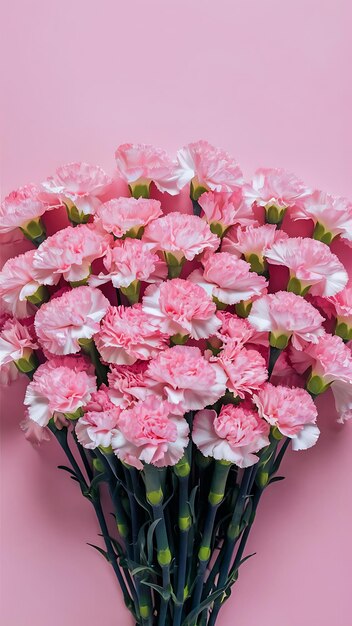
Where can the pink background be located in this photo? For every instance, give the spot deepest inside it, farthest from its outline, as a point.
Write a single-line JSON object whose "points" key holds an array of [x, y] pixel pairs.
{"points": [[266, 79]]}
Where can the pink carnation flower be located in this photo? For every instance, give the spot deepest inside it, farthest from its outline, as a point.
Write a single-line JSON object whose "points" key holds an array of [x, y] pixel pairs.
{"points": [[58, 386], [238, 330], [121, 215], [245, 369], [127, 384], [34, 433], [342, 303], [129, 260], [128, 334], [185, 378], [20, 207], [75, 315], [252, 240], [333, 214], [16, 342], [226, 209], [312, 263], [17, 282], [150, 432], [292, 411], [285, 314], [228, 278], [181, 307], [69, 253], [100, 400], [96, 428], [330, 361], [181, 235], [143, 163], [235, 435], [79, 185], [275, 187], [211, 167]]}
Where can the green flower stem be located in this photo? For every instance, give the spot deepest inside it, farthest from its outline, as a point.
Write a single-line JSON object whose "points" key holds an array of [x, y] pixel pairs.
{"points": [[273, 357], [154, 479], [82, 453], [89, 348], [215, 498], [182, 471], [196, 207]]}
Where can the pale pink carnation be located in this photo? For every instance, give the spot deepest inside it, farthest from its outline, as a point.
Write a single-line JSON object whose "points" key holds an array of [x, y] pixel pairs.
{"points": [[143, 163], [128, 334], [252, 240], [331, 361], [342, 303], [228, 278], [181, 235], [275, 187], [59, 386], [333, 213], [79, 185], [238, 330], [226, 209], [292, 411], [20, 207], [16, 342], [245, 369], [96, 428], [17, 282], [235, 435], [127, 384], [100, 400], [33, 432], [212, 167], [75, 315], [312, 263], [181, 307], [121, 215], [69, 253], [185, 378], [150, 432], [129, 260], [284, 313]]}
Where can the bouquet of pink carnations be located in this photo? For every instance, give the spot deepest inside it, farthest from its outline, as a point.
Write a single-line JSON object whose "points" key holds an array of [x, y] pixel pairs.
{"points": [[176, 335]]}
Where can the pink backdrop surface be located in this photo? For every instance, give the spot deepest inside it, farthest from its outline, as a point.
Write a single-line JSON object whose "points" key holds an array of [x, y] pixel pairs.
{"points": [[267, 80]]}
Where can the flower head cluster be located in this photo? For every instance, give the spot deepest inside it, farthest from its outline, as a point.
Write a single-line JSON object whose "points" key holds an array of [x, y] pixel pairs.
{"points": [[122, 215], [22, 206]]}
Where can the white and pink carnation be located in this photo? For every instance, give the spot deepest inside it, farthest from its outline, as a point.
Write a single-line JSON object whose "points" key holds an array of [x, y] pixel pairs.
{"points": [[226, 209], [17, 283], [100, 400], [180, 307], [275, 187], [329, 363], [33, 432], [185, 378], [150, 432], [342, 304], [124, 215], [130, 260], [312, 263], [182, 235], [69, 253], [61, 323], [78, 185], [332, 214], [22, 206], [141, 163], [238, 330], [16, 342], [128, 334], [235, 435], [208, 167], [284, 314], [252, 240], [245, 369], [292, 411], [229, 279], [96, 428], [127, 384], [59, 386]]}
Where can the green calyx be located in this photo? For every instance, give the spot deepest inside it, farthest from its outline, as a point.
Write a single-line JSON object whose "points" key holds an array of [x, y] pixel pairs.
{"points": [[243, 308], [164, 557], [155, 497], [79, 283], [174, 265], [278, 341], [28, 363], [182, 468], [184, 523], [179, 340], [320, 234], [196, 190], [132, 291], [74, 416], [258, 264], [221, 306], [106, 450], [204, 553], [218, 229], [262, 478], [295, 286], [39, 297], [274, 214], [316, 385], [343, 330], [75, 215], [34, 230], [135, 233], [144, 611], [140, 189], [98, 466]]}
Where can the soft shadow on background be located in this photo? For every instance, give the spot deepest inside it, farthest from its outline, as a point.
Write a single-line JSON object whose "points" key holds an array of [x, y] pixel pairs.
{"points": [[267, 80]]}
